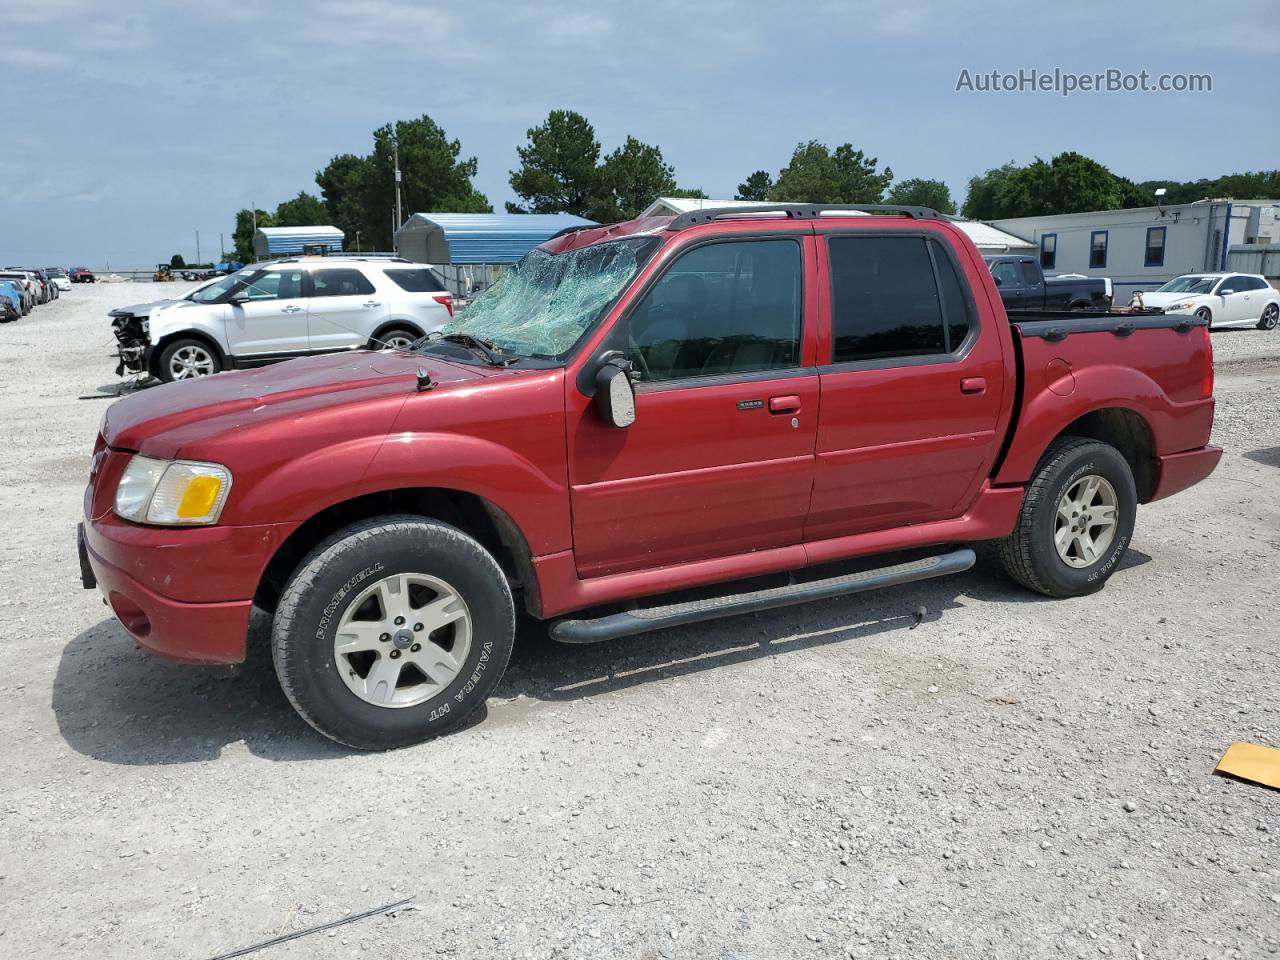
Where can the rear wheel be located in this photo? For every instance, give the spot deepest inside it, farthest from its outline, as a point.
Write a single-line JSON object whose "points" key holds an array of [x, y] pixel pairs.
{"points": [[397, 338], [1269, 315], [1076, 521], [393, 631], [186, 360]]}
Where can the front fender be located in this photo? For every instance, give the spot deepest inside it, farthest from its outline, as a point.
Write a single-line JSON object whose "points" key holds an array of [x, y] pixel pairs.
{"points": [[1047, 412], [300, 488]]}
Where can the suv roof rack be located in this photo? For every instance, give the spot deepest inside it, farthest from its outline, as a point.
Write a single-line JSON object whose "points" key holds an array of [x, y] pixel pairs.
{"points": [[800, 211]]}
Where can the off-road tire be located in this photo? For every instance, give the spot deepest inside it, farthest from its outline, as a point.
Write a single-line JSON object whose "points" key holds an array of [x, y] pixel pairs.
{"points": [[1029, 556], [327, 582]]}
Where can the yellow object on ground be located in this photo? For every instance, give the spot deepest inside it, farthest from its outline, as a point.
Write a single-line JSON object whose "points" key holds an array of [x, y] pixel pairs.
{"points": [[1249, 761]]}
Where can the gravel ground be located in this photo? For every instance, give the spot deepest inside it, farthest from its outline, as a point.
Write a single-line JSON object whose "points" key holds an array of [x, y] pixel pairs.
{"points": [[1015, 778]]}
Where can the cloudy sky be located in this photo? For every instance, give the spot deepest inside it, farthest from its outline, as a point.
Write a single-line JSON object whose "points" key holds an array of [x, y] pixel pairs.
{"points": [[133, 125]]}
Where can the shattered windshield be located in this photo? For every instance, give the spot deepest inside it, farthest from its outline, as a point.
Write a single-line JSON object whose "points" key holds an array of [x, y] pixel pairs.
{"points": [[544, 304], [217, 289]]}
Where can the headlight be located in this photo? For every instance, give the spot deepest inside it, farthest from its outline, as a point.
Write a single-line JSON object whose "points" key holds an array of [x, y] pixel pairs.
{"points": [[1181, 306], [146, 327], [172, 493]]}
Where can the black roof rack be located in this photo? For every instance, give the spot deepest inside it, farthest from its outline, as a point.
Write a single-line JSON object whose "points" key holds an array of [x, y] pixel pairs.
{"points": [[799, 211]]}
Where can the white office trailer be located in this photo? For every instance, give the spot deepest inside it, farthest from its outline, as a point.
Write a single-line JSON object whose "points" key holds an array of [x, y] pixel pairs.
{"points": [[1144, 247]]}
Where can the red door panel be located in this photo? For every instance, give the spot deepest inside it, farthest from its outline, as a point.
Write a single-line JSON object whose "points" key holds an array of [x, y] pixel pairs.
{"points": [[703, 472], [909, 440]]}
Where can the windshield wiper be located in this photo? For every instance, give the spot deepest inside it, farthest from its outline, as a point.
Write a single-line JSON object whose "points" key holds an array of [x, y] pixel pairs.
{"points": [[484, 348]]}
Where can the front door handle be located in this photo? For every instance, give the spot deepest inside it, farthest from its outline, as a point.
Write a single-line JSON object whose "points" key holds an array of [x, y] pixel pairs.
{"points": [[973, 385], [784, 405], [291, 309], [372, 303]]}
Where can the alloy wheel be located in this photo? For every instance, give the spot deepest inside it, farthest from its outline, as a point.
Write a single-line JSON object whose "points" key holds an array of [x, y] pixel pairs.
{"points": [[189, 362], [403, 640], [1086, 521]]}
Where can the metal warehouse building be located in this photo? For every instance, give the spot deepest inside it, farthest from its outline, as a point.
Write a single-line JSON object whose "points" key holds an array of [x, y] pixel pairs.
{"points": [[278, 241], [1144, 247]]}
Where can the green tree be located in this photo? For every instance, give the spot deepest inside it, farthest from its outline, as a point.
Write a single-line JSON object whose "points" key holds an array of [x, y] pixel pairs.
{"points": [[980, 203], [304, 210], [818, 175], [341, 185], [690, 193], [1069, 183], [242, 236], [923, 193], [634, 176], [755, 187], [559, 168], [177, 262], [1236, 186]]}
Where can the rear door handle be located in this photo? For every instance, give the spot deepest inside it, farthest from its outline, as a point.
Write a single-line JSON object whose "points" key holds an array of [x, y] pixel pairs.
{"points": [[784, 404], [973, 385], [291, 309]]}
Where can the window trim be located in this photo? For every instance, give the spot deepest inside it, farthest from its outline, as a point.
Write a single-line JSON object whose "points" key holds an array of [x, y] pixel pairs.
{"points": [[1106, 244], [619, 337], [1146, 250], [957, 355], [1053, 257]]}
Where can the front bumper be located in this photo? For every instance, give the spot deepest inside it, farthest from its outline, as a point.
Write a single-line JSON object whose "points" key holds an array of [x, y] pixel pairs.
{"points": [[1181, 470], [170, 589]]}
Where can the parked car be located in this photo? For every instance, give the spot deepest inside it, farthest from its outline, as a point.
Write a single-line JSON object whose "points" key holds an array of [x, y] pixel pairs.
{"points": [[26, 284], [630, 411], [1220, 299], [59, 277], [39, 288], [1024, 286], [52, 292], [279, 310], [10, 301], [82, 275]]}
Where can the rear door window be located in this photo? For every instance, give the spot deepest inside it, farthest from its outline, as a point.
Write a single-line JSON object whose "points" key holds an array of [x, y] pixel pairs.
{"points": [[416, 280], [339, 282], [895, 297]]}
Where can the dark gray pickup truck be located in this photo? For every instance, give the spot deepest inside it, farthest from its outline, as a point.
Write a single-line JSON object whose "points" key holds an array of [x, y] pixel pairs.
{"points": [[1023, 286]]}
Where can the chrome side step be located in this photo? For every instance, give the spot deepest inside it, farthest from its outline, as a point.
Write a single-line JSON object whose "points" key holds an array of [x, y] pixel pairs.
{"points": [[676, 614]]}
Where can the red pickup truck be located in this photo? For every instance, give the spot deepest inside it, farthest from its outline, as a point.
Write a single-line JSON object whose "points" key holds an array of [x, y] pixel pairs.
{"points": [[835, 396]]}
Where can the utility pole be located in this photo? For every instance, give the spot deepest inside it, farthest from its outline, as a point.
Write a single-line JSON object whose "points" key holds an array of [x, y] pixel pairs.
{"points": [[395, 146], [222, 247], [357, 241], [198, 247]]}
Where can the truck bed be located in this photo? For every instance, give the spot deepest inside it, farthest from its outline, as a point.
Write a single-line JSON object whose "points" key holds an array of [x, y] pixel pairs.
{"points": [[1152, 370]]}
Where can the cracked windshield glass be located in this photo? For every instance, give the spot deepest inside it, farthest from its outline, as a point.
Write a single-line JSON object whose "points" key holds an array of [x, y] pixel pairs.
{"points": [[546, 302]]}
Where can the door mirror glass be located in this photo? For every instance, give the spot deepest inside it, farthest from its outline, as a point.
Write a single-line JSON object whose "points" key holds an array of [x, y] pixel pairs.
{"points": [[239, 297], [615, 394]]}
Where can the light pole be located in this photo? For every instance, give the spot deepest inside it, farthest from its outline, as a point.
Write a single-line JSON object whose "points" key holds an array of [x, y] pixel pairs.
{"points": [[357, 241], [395, 146]]}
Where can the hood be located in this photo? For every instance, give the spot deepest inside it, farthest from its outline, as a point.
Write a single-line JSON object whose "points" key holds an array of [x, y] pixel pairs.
{"points": [[161, 420], [146, 309], [1165, 299]]}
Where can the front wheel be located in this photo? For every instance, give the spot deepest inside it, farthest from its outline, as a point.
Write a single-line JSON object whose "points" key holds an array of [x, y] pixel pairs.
{"points": [[186, 360], [1205, 314], [393, 631], [1268, 321], [1076, 521]]}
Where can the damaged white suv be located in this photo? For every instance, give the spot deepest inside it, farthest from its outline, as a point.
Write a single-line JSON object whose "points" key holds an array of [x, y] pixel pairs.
{"points": [[280, 310]]}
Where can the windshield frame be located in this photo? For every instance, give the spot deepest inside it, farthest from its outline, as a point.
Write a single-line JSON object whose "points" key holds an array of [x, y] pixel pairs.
{"points": [[650, 245]]}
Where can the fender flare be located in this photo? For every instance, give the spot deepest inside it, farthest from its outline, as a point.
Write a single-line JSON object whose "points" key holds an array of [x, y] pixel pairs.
{"points": [[1046, 414]]}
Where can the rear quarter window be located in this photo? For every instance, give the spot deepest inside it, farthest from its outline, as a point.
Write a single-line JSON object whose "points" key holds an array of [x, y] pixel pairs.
{"points": [[416, 280]]}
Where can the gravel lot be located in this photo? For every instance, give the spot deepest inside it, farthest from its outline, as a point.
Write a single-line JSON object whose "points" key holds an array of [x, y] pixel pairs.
{"points": [[1015, 778]]}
